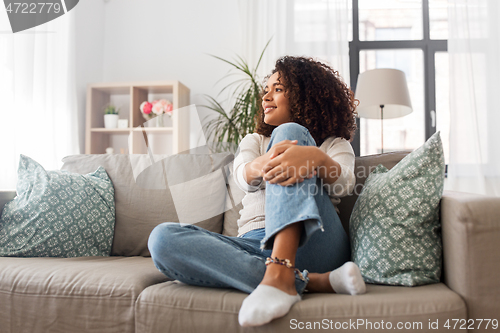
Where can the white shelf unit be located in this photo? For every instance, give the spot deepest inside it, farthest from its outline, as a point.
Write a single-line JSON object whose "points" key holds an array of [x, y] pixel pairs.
{"points": [[133, 94]]}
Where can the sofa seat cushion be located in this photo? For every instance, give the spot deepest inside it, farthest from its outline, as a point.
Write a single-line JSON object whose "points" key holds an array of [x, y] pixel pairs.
{"points": [[176, 307], [84, 294]]}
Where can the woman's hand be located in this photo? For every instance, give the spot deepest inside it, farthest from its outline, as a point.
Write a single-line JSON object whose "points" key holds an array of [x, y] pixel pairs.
{"points": [[289, 164], [253, 171], [260, 161]]}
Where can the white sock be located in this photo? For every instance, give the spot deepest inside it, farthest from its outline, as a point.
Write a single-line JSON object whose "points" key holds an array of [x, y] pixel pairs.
{"points": [[347, 279], [264, 304]]}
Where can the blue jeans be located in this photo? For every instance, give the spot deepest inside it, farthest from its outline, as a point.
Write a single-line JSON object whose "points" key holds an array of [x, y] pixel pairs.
{"points": [[199, 257]]}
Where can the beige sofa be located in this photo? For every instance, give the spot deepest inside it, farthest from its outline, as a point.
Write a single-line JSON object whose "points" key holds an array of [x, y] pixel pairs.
{"points": [[126, 293]]}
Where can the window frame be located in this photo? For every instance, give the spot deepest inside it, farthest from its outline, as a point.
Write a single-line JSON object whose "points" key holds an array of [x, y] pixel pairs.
{"points": [[429, 48]]}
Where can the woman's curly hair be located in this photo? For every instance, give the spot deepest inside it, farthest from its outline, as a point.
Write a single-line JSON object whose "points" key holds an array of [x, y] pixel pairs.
{"points": [[319, 99]]}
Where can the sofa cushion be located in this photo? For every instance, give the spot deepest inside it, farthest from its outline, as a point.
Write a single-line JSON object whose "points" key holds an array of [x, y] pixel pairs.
{"points": [[147, 193], [58, 214], [176, 307], [86, 294], [394, 229]]}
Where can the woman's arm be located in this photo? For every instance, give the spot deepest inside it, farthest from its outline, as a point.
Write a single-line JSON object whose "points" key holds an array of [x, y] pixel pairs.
{"points": [[253, 171], [248, 151], [335, 167], [328, 169], [291, 164], [247, 166], [340, 151], [294, 163]]}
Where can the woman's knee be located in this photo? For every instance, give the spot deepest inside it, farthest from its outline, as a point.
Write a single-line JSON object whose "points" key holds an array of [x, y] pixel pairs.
{"points": [[290, 128], [162, 238], [291, 131]]}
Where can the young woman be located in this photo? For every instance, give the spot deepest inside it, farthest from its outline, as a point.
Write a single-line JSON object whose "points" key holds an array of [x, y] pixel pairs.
{"points": [[293, 170]]}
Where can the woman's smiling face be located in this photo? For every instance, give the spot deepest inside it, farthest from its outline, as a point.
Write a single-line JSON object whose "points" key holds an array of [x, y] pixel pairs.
{"points": [[275, 103]]}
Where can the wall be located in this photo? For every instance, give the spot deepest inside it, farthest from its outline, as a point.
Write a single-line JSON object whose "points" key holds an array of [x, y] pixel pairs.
{"points": [[89, 54], [127, 40]]}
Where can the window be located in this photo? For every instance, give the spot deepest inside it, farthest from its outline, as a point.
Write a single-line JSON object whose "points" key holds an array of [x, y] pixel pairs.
{"points": [[409, 35]]}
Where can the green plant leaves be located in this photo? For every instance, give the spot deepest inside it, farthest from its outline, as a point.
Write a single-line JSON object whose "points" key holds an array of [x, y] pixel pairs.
{"points": [[232, 126]]}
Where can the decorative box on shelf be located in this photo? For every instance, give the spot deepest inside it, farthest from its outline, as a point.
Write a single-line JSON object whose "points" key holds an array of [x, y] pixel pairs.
{"points": [[139, 134]]}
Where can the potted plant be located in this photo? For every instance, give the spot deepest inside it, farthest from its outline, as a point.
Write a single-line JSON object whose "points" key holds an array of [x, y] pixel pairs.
{"points": [[229, 128], [111, 116]]}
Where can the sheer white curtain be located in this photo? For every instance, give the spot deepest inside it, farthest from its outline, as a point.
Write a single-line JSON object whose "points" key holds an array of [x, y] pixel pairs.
{"points": [[316, 28], [38, 107], [474, 50]]}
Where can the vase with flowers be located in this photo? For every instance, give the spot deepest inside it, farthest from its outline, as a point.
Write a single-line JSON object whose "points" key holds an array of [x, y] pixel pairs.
{"points": [[157, 109]]}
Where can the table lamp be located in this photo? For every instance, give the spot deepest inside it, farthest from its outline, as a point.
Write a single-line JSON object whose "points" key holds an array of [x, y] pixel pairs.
{"points": [[383, 93]]}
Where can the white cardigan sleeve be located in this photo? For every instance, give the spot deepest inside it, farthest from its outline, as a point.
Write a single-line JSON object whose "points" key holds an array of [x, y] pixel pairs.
{"points": [[340, 150], [249, 150]]}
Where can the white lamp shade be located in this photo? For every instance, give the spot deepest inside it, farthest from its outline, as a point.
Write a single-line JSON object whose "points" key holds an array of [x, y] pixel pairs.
{"points": [[384, 86]]}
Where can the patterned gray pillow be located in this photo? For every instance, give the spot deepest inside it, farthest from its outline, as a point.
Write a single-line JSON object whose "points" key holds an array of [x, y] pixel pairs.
{"points": [[394, 227], [58, 214]]}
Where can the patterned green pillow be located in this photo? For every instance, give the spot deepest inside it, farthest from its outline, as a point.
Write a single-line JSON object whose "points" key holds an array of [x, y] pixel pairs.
{"points": [[58, 214], [394, 227]]}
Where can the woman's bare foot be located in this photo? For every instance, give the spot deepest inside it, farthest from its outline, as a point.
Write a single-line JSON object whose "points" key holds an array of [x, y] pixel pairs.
{"points": [[346, 279], [319, 283]]}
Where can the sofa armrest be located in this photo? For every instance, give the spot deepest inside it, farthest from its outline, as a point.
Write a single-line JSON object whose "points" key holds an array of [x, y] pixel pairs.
{"points": [[6, 196], [471, 251]]}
